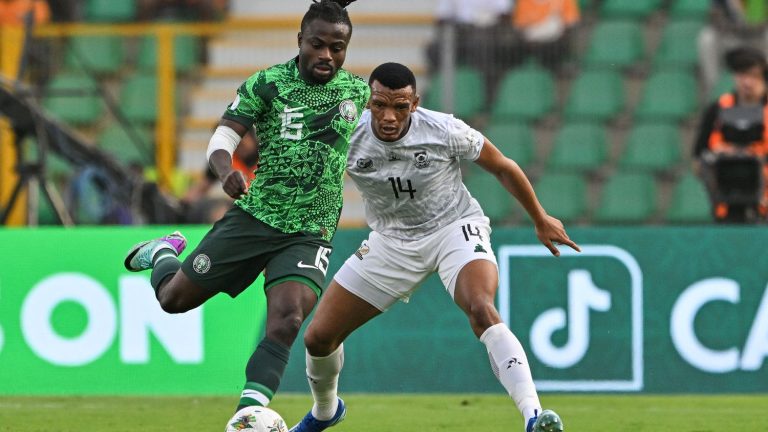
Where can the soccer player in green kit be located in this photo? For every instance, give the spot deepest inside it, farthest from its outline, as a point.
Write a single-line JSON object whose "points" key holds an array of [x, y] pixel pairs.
{"points": [[304, 112]]}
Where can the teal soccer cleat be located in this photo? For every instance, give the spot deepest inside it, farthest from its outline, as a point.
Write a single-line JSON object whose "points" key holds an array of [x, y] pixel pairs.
{"points": [[546, 421], [310, 424], [141, 255]]}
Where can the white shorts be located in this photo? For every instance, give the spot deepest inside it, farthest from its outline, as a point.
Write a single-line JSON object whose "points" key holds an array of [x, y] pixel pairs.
{"points": [[384, 269]]}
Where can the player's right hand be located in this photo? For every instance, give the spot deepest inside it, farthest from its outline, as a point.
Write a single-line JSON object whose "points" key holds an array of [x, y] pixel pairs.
{"points": [[234, 184]]}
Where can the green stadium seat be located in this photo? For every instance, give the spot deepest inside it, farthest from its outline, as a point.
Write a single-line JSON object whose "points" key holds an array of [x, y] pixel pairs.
{"points": [[579, 147], [627, 198], [486, 189], [563, 195], [515, 140], [138, 98], [695, 9], [525, 93], [118, 142], [73, 99], [615, 44], [690, 202], [469, 93], [678, 45], [110, 10], [634, 9], [186, 53], [668, 96], [100, 54], [595, 95], [652, 147], [723, 85]]}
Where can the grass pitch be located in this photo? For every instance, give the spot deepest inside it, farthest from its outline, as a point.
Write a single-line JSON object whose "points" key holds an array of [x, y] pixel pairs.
{"points": [[380, 413]]}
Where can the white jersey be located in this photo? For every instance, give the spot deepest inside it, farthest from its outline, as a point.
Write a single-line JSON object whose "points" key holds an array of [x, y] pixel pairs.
{"points": [[412, 187]]}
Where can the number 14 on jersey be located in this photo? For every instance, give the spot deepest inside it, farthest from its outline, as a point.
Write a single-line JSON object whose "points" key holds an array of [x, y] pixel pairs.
{"points": [[397, 187]]}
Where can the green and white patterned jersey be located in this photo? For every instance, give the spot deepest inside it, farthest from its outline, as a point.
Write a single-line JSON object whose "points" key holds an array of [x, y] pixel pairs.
{"points": [[304, 131]]}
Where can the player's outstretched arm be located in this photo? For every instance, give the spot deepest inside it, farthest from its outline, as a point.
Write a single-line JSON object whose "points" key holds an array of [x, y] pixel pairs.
{"points": [[549, 230]]}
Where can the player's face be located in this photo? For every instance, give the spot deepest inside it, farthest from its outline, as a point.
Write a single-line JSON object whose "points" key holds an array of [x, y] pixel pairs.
{"points": [[322, 50], [750, 84], [391, 110]]}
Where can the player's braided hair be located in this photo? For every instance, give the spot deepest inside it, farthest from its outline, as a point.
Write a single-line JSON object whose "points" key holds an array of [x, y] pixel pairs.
{"points": [[332, 11]]}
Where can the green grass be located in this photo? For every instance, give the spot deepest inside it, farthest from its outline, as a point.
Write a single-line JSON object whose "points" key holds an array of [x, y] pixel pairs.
{"points": [[380, 413]]}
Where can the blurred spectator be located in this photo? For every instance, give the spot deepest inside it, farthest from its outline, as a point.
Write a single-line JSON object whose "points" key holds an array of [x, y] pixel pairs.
{"points": [[13, 12], [66, 10], [476, 23], [732, 141], [36, 58], [205, 201], [182, 10], [733, 23], [545, 27]]}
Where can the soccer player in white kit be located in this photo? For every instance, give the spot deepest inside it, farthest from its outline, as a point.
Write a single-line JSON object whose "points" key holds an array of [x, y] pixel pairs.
{"points": [[405, 161]]}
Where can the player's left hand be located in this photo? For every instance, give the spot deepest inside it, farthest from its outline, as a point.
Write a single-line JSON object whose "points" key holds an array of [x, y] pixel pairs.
{"points": [[551, 231]]}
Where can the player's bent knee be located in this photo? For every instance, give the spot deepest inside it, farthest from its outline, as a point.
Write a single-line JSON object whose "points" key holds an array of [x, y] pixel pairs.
{"points": [[318, 344], [483, 314], [285, 328], [173, 304]]}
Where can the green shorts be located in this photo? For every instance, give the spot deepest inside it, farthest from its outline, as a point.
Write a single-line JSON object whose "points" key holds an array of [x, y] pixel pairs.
{"points": [[239, 247]]}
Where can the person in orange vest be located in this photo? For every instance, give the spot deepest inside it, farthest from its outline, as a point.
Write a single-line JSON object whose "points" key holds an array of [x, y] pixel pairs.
{"points": [[734, 127], [13, 12]]}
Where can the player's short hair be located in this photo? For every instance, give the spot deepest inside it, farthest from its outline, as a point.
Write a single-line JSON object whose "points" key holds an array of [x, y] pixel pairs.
{"points": [[332, 11], [744, 58], [393, 75]]}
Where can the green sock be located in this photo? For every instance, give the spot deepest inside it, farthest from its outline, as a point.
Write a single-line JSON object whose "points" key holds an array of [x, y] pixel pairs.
{"points": [[263, 373], [165, 265]]}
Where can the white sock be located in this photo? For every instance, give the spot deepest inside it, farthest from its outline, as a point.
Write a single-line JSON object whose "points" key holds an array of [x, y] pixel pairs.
{"points": [[323, 377], [510, 365]]}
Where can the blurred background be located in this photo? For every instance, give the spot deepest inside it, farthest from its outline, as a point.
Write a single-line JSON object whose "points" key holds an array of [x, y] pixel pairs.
{"points": [[107, 106]]}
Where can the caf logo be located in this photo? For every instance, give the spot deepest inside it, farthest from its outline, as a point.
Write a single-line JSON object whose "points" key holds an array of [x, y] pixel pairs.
{"points": [[421, 160], [348, 110]]}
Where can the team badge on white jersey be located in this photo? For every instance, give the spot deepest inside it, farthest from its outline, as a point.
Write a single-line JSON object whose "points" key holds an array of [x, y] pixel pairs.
{"points": [[420, 159]]}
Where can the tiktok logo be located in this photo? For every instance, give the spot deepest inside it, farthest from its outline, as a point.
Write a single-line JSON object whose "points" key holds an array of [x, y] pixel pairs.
{"points": [[575, 310], [583, 296]]}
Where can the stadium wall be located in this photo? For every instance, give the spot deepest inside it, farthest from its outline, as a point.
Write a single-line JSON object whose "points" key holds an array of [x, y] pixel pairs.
{"points": [[641, 309]]}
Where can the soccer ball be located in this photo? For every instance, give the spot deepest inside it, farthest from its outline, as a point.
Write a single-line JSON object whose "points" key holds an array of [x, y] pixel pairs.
{"points": [[256, 419]]}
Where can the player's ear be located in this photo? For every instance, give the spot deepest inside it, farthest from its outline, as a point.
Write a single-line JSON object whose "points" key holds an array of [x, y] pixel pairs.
{"points": [[298, 38], [415, 103]]}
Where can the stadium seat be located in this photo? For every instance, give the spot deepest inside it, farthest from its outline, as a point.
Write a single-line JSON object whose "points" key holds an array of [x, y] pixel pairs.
{"points": [[652, 147], [138, 98], [563, 195], [695, 9], [678, 45], [72, 98], [486, 189], [627, 198], [667, 96], [690, 202], [515, 140], [119, 143], [634, 9], [595, 95], [615, 44], [110, 10], [525, 93], [186, 53], [579, 147], [99, 54], [469, 93]]}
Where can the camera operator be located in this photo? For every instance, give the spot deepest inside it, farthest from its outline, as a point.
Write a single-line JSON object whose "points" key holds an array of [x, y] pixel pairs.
{"points": [[732, 142]]}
